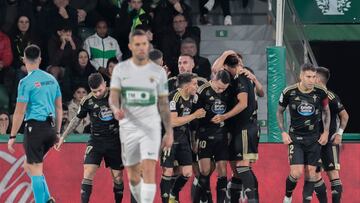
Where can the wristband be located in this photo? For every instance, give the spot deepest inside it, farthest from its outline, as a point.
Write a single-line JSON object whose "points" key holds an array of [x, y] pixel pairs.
{"points": [[12, 137], [340, 131]]}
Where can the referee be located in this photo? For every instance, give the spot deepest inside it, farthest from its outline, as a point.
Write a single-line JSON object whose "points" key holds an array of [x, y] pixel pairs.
{"points": [[39, 100]]}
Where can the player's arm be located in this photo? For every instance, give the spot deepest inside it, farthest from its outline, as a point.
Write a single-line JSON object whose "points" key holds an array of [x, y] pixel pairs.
{"points": [[59, 114], [239, 107], [18, 118], [280, 117], [326, 122], [163, 105], [344, 118], [219, 62], [71, 127], [182, 120]]}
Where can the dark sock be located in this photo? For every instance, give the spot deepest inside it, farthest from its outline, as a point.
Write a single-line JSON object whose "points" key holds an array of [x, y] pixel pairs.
{"points": [[201, 189], [336, 190], [118, 190], [86, 187], [235, 188], [173, 180], [256, 188], [290, 185], [165, 186], [178, 185], [244, 173], [320, 190], [221, 189], [308, 191], [193, 187]]}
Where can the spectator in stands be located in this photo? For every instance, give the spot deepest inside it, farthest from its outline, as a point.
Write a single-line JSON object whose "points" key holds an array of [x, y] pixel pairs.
{"points": [[100, 47], [59, 72], [202, 65], [78, 74], [4, 122], [22, 35], [65, 118], [170, 45], [131, 14], [63, 47], [73, 107], [86, 12], [165, 12], [6, 72], [207, 5], [55, 14], [147, 29], [109, 69]]}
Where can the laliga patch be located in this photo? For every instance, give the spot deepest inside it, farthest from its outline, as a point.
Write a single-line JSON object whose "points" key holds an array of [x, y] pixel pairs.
{"points": [[172, 105]]}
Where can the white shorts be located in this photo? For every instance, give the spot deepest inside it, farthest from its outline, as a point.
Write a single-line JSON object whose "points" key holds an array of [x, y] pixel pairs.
{"points": [[139, 144]]}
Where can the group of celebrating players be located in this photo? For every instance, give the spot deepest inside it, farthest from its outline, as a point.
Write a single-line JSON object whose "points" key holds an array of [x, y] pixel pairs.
{"points": [[206, 125]]}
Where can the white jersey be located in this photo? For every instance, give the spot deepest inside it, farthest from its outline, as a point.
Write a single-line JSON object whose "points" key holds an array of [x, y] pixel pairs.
{"points": [[139, 87]]}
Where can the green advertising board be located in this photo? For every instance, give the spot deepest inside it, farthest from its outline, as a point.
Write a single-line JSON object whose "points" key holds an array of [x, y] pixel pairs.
{"points": [[328, 11]]}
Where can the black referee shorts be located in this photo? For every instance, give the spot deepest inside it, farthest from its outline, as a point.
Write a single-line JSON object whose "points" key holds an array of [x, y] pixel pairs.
{"points": [[39, 137]]}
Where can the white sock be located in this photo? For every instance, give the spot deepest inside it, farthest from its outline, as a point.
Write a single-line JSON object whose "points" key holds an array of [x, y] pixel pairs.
{"points": [[136, 190], [148, 193]]}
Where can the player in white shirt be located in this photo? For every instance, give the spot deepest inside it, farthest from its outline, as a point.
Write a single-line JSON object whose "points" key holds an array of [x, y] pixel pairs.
{"points": [[139, 100]]}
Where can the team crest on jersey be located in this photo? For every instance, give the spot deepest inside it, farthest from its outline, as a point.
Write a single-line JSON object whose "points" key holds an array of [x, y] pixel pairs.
{"points": [[186, 111], [152, 79]]}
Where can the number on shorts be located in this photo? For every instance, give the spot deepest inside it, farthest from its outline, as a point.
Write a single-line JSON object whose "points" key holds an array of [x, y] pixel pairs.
{"points": [[291, 149], [202, 144], [88, 149]]}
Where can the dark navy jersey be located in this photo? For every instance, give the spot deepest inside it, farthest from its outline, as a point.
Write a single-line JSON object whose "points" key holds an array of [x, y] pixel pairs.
{"points": [[173, 84], [305, 109], [103, 122], [242, 84], [336, 107], [182, 107], [213, 103]]}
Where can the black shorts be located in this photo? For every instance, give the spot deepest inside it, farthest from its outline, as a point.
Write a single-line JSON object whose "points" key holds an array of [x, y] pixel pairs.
{"points": [[213, 143], [244, 144], [110, 151], [304, 153], [180, 155], [39, 137], [329, 157]]}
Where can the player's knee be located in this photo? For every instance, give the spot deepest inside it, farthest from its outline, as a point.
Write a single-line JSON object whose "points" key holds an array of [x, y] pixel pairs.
{"points": [[317, 176], [187, 171], [333, 174], [117, 179], [296, 173], [89, 172], [221, 169], [168, 171]]}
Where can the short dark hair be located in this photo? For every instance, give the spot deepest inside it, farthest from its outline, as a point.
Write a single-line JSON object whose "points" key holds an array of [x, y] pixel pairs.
{"points": [[223, 76], [136, 33], [112, 60], [185, 78], [188, 40], [64, 25], [95, 80], [32, 52], [144, 27], [324, 73], [308, 67], [155, 54], [232, 61]]}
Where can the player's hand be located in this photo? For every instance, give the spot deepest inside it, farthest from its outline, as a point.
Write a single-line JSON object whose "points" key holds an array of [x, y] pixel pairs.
{"points": [[324, 138], [195, 146], [119, 114], [200, 113], [59, 143], [11, 143], [336, 138], [218, 119], [286, 138], [167, 141]]}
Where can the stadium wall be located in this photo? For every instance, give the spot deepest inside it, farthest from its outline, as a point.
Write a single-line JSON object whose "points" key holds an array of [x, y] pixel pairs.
{"points": [[63, 171]]}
